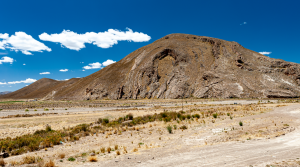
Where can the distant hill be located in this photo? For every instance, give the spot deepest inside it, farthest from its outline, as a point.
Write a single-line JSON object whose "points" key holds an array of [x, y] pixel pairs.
{"points": [[40, 89], [179, 65], [6, 92]]}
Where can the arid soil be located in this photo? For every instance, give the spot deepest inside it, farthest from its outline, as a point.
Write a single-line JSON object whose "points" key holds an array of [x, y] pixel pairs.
{"points": [[269, 134]]}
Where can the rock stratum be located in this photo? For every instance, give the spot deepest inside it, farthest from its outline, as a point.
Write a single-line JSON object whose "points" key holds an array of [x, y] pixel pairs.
{"points": [[179, 65]]}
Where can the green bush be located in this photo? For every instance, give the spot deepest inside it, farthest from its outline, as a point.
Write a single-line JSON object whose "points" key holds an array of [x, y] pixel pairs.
{"points": [[26, 110], [189, 116], [130, 116], [169, 127], [197, 116], [106, 120], [71, 159], [46, 109], [241, 123], [215, 115]]}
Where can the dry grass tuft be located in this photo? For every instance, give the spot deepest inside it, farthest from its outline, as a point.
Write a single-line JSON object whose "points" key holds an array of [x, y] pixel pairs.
{"points": [[50, 164], [2, 163], [108, 150], [13, 163], [135, 150], [29, 160], [118, 152], [116, 147], [93, 159], [62, 156], [102, 150]]}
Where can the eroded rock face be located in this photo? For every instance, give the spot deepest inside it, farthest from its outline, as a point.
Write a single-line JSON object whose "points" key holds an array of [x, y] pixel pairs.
{"points": [[181, 65]]}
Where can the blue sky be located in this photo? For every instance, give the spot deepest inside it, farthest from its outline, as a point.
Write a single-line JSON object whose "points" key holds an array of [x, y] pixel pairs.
{"points": [[28, 28]]}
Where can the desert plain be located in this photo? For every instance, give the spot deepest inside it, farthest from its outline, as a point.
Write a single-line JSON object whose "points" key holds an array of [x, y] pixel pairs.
{"points": [[202, 132]]}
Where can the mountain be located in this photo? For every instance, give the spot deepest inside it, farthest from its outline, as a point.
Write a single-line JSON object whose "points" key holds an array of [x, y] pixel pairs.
{"points": [[6, 92], [181, 65], [42, 88]]}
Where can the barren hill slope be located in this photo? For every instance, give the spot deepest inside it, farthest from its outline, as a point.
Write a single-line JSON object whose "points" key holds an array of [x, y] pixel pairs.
{"points": [[39, 89], [187, 65]]}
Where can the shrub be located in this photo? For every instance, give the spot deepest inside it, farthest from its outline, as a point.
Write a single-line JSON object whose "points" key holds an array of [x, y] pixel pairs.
{"points": [[135, 150], [116, 147], [102, 150], [35, 109], [228, 114], [183, 127], [49, 164], [118, 152], [215, 115], [66, 109], [130, 116], [26, 110], [169, 129], [188, 116], [105, 120], [71, 159], [46, 109], [241, 123], [197, 116], [2, 163], [48, 128], [93, 159], [108, 150], [175, 127]]}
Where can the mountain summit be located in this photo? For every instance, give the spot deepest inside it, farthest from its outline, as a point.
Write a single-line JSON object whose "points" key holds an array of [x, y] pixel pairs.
{"points": [[181, 65]]}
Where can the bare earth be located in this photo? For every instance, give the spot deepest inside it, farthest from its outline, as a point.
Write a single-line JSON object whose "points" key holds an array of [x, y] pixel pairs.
{"points": [[270, 134]]}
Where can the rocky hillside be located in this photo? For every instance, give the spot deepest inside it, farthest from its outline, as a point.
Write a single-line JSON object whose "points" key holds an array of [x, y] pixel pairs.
{"points": [[181, 65]]}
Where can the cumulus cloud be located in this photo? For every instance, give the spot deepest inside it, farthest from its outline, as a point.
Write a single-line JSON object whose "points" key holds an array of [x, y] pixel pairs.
{"points": [[98, 65], [108, 62], [28, 80], [63, 70], [43, 73], [74, 41], [265, 53], [93, 66], [3, 83], [22, 42], [6, 59]]}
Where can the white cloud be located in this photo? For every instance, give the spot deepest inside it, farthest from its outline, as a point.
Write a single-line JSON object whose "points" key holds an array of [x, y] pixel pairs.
{"points": [[6, 59], [243, 23], [108, 62], [24, 64], [22, 42], [93, 66], [28, 80], [3, 83], [43, 73], [265, 53], [74, 41], [63, 70], [98, 65]]}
